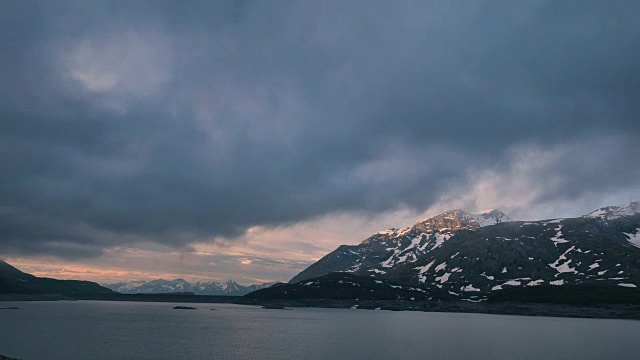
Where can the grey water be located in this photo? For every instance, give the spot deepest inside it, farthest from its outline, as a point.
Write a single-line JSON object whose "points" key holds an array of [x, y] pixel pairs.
{"points": [[128, 330]]}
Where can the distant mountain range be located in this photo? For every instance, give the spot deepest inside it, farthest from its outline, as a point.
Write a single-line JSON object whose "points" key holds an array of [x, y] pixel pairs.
{"points": [[14, 281], [180, 285], [477, 257]]}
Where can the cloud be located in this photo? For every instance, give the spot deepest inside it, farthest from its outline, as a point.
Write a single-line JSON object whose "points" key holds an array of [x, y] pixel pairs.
{"points": [[113, 68], [537, 183], [177, 125], [261, 254]]}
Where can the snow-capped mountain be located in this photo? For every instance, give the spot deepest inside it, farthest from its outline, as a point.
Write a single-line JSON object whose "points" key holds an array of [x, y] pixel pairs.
{"points": [[180, 285], [490, 217], [389, 248], [455, 256], [614, 212]]}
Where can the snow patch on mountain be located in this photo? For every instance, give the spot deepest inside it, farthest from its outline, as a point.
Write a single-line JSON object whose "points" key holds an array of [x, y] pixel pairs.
{"points": [[469, 288], [444, 278], [423, 269], [377, 271], [627, 285], [489, 277], [440, 239], [557, 239], [441, 267], [634, 238], [512, 283], [562, 266], [594, 266]]}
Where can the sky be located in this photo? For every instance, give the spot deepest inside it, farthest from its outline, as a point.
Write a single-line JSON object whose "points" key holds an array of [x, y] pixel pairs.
{"points": [[246, 139]]}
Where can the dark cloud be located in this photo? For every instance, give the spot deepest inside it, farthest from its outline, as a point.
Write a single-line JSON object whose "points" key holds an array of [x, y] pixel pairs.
{"points": [[167, 122]]}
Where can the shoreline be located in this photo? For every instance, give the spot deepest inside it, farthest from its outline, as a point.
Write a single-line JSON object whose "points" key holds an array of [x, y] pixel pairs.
{"points": [[594, 311], [178, 298], [591, 311]]}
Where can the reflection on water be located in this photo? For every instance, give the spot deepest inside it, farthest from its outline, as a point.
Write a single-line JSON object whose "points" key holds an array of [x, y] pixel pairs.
{"points": [[124, 330]]}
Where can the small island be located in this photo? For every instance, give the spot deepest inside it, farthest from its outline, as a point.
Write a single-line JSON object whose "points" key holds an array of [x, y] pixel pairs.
{"points": [[275, 307]]}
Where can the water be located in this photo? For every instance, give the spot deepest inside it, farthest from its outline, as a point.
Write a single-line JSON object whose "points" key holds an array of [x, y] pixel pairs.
{"points": [[126, 330]]}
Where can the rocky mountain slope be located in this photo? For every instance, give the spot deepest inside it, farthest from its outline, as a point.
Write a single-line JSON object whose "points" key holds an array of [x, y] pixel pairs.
{"points": [[455, 256], [14, 281], [180, 285], [390, 248]]}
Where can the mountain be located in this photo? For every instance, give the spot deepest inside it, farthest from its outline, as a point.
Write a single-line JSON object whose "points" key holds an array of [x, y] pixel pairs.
{"points": [[389, 248], [614, 212], [345, 286], [180, 285], [14, 281], [453, 256]]}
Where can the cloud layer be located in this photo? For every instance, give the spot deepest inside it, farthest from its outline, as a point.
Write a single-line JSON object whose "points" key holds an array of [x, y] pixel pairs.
{"points": [[175, 124]]}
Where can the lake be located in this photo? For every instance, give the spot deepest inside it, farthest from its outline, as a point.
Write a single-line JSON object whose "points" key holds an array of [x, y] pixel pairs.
{"points": [[129, 330]]}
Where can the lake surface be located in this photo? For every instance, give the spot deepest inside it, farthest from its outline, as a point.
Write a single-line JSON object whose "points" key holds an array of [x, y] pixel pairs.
{"points": [[127, 330]]}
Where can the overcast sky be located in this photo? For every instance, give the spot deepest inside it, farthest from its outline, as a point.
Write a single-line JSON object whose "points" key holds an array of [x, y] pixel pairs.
{"points": [[246, 139]]}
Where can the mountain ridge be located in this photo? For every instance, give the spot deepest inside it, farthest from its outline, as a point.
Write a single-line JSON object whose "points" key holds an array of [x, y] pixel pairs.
{"points": [[401, 245], [15, 281], [451, 257]]}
